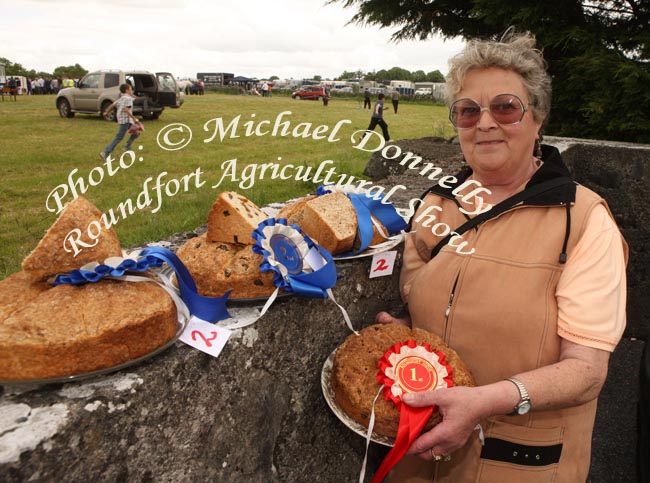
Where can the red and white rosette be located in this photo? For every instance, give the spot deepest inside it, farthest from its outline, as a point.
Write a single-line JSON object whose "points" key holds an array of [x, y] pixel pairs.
{"points": [[410, 367]]}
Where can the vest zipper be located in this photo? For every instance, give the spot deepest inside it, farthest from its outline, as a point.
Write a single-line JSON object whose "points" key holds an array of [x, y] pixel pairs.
{"points": [[448, 309]]}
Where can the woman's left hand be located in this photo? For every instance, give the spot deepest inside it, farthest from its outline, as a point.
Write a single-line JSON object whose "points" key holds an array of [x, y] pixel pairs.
{"points": [[461, 409]]}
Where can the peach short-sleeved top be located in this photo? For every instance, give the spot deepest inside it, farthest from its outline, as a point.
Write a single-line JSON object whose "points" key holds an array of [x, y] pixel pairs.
{"points": [[594, 272]]}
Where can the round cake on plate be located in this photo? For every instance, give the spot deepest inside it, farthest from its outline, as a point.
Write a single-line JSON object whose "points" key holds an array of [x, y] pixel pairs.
{"points": [[355, 368], [71, 330]]}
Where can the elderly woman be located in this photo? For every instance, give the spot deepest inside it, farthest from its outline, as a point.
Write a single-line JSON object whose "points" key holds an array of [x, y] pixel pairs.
{"points": [[534, 302]]}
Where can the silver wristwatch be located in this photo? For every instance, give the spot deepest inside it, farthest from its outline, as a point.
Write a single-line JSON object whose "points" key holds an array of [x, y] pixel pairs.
{"points": [[523, 406]]}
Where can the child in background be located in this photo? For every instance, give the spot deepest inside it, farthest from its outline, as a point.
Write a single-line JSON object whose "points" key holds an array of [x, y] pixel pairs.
{"points": [[126, 120]]}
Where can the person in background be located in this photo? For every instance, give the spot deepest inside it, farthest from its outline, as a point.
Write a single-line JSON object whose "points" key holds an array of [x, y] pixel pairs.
{"points": [[125, 119], [326, 96], [534, 303], [366, 98], [378, 117], [394, 96]]}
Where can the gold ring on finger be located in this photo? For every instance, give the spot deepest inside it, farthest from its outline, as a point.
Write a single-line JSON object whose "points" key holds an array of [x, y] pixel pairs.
{"points": [[435, 456]]}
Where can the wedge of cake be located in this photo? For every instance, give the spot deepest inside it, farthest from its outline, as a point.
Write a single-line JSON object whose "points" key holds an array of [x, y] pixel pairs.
{"points": [[54, 255], [233, 218]]}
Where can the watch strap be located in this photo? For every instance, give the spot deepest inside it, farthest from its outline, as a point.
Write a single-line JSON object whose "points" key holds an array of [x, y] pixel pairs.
{"points": [[524, 397]]}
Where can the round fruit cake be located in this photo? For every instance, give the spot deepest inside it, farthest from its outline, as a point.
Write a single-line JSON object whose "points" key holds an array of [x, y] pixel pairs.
{"points": [[354, 373]]}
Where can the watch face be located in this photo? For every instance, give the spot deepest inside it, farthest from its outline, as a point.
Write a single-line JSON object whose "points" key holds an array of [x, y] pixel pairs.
{"points": [[523, 407]]}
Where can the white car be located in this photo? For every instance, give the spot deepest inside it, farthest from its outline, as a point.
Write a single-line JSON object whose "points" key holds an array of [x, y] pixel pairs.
{"points": [[423, 92]]}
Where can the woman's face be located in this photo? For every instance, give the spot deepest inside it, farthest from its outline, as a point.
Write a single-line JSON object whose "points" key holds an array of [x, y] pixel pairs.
{"points": [[491, 149]]}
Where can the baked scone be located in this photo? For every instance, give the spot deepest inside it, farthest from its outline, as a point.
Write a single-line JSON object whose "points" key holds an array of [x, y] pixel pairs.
{"points": [[233, 218], [50, 256], [354, 373], [330, 220], [217, 267], [68, 330]]}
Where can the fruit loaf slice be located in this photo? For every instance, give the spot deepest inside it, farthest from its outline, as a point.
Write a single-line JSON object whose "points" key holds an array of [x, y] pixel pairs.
{"points": [[233, 218]]}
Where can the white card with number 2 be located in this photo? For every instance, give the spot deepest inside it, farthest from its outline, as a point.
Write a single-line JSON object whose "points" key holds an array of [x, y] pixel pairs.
{"points": [[383, 264], [205, 336]]}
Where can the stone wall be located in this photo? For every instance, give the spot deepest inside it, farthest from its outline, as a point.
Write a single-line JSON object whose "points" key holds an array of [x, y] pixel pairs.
{"points": [[257, 414]]}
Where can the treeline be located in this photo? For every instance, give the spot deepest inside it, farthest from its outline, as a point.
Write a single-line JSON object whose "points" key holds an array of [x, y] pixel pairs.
{"points": [[70, 71], [396, 73]]}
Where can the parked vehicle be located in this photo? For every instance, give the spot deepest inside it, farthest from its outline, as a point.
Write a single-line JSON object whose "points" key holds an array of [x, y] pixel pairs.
{"points": [[20, 82], [423, 92], [312, 93], [97, 90]]}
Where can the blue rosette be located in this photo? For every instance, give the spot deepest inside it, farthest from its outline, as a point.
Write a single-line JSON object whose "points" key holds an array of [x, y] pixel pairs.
{"points": [[366, 208], [298, 264], [150, 260]]}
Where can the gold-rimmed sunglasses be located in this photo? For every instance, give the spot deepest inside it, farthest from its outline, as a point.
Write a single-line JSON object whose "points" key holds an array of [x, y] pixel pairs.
{"points": [[505, 109]]}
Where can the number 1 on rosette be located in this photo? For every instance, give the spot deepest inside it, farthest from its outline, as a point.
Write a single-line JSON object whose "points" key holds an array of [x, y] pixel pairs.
{"points": [[298, 264], [409, 367]]}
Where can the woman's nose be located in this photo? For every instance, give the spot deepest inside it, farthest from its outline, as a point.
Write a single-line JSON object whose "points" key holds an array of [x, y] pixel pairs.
{"points": [[486, 122]]}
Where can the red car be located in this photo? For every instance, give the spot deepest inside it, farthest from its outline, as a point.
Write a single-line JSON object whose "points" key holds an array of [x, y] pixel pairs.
{"points": [[312, 93]]}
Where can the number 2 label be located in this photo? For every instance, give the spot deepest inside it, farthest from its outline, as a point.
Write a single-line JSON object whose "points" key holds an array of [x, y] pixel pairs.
{"points": [[382, 264], [206, 337]]}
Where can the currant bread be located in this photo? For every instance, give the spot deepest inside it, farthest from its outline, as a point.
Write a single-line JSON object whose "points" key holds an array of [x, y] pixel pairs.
{"points": [[354, 373], [233, 218], [217, 267]]}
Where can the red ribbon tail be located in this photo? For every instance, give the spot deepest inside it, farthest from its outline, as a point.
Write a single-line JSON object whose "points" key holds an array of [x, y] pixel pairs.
{"points": [[411, 423]]}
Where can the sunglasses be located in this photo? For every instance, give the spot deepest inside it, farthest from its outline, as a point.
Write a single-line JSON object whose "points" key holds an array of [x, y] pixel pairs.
{"points": [[505, 109]]}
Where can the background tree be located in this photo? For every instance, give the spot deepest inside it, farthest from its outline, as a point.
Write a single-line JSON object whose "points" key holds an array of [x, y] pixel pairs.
{"points": [[419, 76], [598, 52], [12, 68], [397, 73], [435, 76], [70, 71]]}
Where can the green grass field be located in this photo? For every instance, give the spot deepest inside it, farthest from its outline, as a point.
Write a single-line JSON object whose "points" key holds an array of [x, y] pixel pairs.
{"points": [[39, 150]]}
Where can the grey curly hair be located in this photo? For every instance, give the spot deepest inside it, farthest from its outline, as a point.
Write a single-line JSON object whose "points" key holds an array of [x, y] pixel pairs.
{"points": [[515, 52]]}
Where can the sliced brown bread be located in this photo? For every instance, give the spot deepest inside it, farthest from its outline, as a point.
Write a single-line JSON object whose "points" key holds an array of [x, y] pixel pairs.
{"points": [[295, 212], [233, 218], [54, 255], [330, 220]]}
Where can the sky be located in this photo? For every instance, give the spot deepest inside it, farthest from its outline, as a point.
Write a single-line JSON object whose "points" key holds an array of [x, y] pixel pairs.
{"points": [[254, 38]]}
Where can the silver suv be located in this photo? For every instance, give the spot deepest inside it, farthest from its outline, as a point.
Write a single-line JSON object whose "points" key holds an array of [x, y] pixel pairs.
{"points": [[97, 90]]}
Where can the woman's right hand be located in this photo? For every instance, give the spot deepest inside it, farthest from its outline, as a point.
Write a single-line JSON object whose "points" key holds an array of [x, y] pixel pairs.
{"points": [[386, 318]]}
